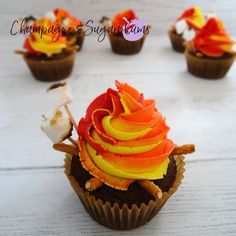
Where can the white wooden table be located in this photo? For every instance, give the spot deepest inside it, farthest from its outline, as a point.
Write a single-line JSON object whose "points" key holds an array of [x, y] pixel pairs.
{"points": [[35, 196]]}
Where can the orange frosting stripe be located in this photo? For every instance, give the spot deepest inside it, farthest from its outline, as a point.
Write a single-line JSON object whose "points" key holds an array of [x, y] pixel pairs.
{"points": [[193, 17], [124, 136], [213, 40]]}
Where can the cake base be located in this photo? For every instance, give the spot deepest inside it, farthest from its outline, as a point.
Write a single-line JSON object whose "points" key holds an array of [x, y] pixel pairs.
{"points": [[177, 41], [208, 68], [117, 212]]}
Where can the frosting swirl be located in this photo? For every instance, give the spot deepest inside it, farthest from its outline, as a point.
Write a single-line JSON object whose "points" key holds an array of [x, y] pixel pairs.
{"points": [[40, 41], [66, 20], [193, 17], [213, 40], [118, 21], [123, 138]]}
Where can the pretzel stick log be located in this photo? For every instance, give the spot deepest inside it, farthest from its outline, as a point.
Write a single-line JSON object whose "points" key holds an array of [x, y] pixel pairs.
{"points": [[150, 187], [184, 149], [20, 52], [93, 183], [62, 147], [73, 141]]}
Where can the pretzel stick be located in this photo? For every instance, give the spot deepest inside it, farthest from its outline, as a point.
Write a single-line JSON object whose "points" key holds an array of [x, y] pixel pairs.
{"points": [[73, 141], [184, 149], [93, 183], [71, 117], [72, 48], [20, 52], [62, 147], [150, 187]]}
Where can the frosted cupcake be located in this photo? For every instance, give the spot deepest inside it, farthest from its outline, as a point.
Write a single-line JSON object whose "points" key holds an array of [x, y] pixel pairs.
{"points": [[123, 166], [49, 56], [185, 28], [210, 54], [124, 24], [73, 27]]}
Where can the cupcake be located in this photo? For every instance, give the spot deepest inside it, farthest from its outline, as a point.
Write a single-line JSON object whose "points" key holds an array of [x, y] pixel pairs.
{"points": [[72, 27], [185, 28], [48, 55], [120, 29], [123, 167], [210, 53]]}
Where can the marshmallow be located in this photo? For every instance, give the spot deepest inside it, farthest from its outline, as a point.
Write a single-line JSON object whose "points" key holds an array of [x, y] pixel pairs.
{"points": [[61, 93], [189, 34], [56, 125], [181, 26], [50, 16], [66, 22], [210, 15]]}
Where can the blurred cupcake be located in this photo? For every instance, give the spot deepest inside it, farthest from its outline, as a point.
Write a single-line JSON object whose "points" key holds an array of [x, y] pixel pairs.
{"points": [[48, 54], [185, 28], [210, 54], [123, 32], [123, 167], [73, 27]]}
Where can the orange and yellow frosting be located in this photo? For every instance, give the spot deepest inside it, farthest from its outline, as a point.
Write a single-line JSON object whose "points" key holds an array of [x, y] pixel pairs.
{"points": [[118, 21], [41, 41], [123, 138], [193, 17], [213, 40], [63, 15]]}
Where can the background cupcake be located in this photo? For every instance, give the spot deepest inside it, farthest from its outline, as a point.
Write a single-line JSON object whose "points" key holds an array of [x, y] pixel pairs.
{"points": [[123, 167], [124, 21], [185, 28], [73, 27], [210, 54], [48, 54]]}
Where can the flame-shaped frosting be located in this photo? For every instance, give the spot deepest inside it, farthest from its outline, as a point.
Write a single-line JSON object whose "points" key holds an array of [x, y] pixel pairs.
{"points": [[68, 21], [118, 21], [45, 42], [213, 40], [123, 138], [193, 17]]}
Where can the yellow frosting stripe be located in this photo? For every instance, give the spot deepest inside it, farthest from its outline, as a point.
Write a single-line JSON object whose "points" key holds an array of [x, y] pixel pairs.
{"points": [[157, 173], [121, 135], [47, 48], [124, 149]]}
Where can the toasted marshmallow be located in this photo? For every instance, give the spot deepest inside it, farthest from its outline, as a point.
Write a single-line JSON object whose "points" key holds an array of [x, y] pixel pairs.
{"points": [[189, 34], [181, 26], [50, 16], [56, 125], [61, 93]]}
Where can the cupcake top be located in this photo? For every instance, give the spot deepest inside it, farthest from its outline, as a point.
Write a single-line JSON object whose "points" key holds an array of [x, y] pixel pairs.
{"points": [[123, 138], [121, 19], [66, 20], [191, 20], [43, 41], [213, 40]]}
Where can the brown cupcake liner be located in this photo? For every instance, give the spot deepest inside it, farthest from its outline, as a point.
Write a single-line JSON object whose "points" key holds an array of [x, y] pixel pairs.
{"points": [[122, 217], [208, 68], [120, 45], [177, 41], [51, 70]]}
